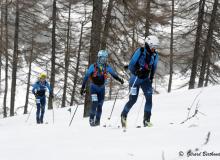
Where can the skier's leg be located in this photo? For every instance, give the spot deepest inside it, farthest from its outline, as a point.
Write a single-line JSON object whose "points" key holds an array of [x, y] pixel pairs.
{"points": [[101, 97], [38, 110], [43, 103], [134, 85], [148, 91], [94, 104], [132, 100]]}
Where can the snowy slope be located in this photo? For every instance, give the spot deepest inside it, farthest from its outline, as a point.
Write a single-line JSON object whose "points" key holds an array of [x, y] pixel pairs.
{"points": [[20, 140]]}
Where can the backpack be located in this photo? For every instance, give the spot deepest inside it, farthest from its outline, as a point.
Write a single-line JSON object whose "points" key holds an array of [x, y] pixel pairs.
{"points": [[145, 69], [99, 80]]}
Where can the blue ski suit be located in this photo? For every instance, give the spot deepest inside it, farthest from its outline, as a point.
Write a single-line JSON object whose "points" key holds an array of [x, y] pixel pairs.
{"points": [[97, 74], [39, 89], [143, 65]]}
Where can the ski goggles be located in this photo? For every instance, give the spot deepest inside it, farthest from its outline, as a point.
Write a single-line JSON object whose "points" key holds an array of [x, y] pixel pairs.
{"points": [[102, 60], [42, 79], [153, 47]]}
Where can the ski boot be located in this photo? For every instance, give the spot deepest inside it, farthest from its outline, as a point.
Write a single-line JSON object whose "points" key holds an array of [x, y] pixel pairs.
{"points": [[123, 121], [97, 122], [38, 120], [92, 122], [146, 121]]}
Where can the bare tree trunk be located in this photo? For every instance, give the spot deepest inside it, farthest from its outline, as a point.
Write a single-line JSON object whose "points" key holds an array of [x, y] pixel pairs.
{"points": [[208, 44], [6, 60], [171, 49], [95, 43], [147, 22], [133, 37], [14, 61], [207, 74], [29, 75], [197, 45], [107, 24], [105, 36], [53, 56], [77, 66], [67, 53], [1, 44]]}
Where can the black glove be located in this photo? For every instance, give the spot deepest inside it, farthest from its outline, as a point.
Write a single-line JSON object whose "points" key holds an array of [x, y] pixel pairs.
{"points": [[82, 91], [140, 73], [126, 67], [121, 80], [51, 95], [35, 94]]}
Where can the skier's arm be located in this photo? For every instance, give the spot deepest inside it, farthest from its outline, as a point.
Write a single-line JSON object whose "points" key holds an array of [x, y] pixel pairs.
{"points": [[87, 75], [154, 66], [49, 87], [34, 88], [113, 74], [134, 60]]}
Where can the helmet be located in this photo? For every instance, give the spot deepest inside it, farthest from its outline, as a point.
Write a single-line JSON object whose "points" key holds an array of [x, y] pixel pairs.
{"points": [[103, 53], [102, 56], [43, 76], [152, 41]]}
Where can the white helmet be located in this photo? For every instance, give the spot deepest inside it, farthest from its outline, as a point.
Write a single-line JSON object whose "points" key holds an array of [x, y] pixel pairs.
{"points": [[152, 41], [102, 56]]}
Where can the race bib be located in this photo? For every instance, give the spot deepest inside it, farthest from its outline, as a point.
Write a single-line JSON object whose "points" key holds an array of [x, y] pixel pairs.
{"points": [[38, 101], [133, 91], [94, 97]]}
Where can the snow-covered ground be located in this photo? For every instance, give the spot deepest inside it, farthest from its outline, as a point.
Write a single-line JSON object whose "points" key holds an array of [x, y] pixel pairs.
{"points": [[168, 139]]}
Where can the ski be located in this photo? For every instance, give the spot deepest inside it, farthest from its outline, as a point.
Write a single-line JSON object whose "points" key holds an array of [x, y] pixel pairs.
{"points": [[111, 126]]}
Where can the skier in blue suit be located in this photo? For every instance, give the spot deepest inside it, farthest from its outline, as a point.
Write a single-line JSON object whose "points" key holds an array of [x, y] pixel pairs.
{"points": [[39, 89], [142, 66], [98, 73]]}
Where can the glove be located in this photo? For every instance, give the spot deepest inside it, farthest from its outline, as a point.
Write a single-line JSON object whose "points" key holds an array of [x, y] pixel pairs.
{"points": [[121, 80], [35, 94], [139, 73], [82, 91], [126, 67], [51, 95]]}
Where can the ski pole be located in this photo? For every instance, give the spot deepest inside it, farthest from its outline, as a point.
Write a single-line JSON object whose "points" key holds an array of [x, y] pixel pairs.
{"points": [[114, 104], [29, 113], [53, 114], [73, 114], [53, 111], [53, 106], [133, 84], [139, 112]]}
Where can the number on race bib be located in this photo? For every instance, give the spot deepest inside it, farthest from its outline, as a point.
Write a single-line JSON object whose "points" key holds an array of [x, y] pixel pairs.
{"points": [[37, 101], [133, 91], [94, 97]]}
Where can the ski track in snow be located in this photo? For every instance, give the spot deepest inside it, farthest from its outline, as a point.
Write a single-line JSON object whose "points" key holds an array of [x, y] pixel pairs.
{"points": [[20, 140]]}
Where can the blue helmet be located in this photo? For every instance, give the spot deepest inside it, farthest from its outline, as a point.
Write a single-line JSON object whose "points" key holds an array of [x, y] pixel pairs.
{"points": [[102, 56]]}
